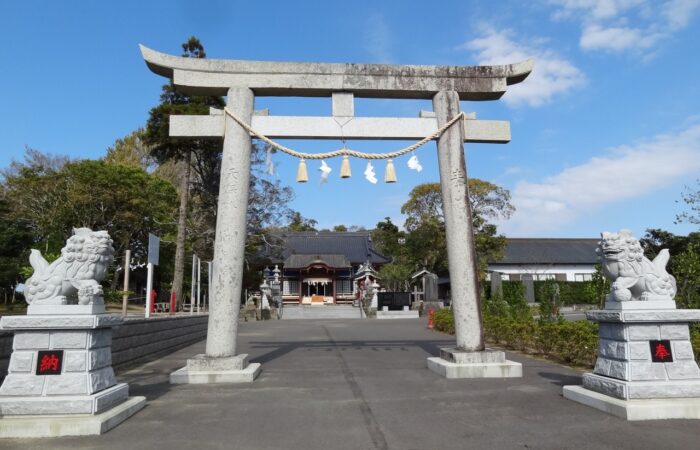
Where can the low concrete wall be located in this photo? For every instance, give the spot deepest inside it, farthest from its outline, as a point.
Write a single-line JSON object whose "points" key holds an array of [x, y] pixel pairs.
{"points": [[5, 351], [141, 340], [137, 340]]}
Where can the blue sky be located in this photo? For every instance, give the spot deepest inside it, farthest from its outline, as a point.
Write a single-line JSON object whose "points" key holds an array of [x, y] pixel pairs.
{"points": [[605, 131]]}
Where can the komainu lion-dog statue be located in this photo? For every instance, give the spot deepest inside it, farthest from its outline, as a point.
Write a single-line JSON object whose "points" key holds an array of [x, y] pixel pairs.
{"points": [[634, 277], [83, 263]]}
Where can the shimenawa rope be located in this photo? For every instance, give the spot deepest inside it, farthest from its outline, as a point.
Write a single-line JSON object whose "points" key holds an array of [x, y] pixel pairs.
{"points": [[344, 151]]}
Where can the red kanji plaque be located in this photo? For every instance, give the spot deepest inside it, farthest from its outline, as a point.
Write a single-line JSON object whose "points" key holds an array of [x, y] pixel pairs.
{"points": [[49, 362], [661, 351]]}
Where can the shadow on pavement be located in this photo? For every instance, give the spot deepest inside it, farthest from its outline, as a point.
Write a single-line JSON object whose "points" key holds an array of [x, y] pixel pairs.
{"points": [[281, 348], [561, 379]]}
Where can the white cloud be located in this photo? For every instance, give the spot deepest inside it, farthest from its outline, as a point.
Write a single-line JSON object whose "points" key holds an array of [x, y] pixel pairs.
{"points": [[624, 173], [379, 38], [551, 76], [679, 12], [595, 37], [626, 25], [596, 9]]}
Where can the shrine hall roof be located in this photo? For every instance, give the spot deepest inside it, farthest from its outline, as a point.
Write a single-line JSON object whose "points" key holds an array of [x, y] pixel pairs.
{"points": [[302, 261], [549, 251], [332, 247]]}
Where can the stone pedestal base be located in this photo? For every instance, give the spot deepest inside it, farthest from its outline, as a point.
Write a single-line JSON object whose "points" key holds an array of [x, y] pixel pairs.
{"points": [[69, 425], [641, 390], [646, 367], [397, 314], [60, 380], [93, 308], [64, 404], [650, 409], [203, 369], [455, 363]]}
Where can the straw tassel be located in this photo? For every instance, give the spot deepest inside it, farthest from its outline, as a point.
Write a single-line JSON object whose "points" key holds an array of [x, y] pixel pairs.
{"points": [[345, 167], [390, 174], [302, 174]]}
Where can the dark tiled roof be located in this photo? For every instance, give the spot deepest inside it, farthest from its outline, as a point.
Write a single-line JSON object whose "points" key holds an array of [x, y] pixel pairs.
{"points": [[302, 261], [549, 251], [356, 247]]}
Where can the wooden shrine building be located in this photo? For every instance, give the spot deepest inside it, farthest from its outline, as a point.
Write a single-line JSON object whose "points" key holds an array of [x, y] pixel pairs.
{"points": [[320, 267]]}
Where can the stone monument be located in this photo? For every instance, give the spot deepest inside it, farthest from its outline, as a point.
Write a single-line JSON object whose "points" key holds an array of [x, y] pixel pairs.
{"points": [[60, 379], [646, 368]]}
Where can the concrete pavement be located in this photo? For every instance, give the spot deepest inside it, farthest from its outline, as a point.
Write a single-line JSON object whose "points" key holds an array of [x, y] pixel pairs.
{"points": [[363, 384]]}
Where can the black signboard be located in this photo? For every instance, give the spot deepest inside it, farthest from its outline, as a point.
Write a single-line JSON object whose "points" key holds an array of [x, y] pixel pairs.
{"points": [[661, 351], [49, 362], [395, 301]]}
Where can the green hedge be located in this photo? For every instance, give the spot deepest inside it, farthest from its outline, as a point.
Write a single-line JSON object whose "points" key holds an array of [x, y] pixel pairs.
{"points": [[570, 292], [572, 342]]}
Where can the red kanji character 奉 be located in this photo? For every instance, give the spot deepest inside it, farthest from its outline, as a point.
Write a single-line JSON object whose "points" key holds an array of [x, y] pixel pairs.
{"points": [[661, 352]]}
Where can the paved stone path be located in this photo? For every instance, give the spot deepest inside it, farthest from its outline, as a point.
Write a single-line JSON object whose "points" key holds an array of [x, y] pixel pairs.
{"points": [[362, 384], [321, 312]]}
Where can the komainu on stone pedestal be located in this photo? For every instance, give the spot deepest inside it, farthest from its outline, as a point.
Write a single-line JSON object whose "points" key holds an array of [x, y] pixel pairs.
{"points": [[646, 367], [633, 276], [74, 277], [60, 379]]}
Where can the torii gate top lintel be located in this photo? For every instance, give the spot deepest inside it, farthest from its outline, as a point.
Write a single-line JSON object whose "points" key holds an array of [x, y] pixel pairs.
{"points": [[269, 78]]}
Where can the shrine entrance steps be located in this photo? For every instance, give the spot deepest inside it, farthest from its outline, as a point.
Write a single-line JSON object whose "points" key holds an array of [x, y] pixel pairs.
{"points": [[291, 312]]}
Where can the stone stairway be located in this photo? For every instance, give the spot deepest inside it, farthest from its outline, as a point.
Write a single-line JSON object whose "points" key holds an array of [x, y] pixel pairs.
{"points": [[320, 312]]}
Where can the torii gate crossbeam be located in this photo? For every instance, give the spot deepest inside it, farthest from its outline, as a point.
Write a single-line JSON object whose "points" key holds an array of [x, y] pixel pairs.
{"points": [[241, 81]]}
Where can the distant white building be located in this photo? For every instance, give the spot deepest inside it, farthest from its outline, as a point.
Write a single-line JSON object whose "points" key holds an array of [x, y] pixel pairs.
{"points": [[547, 259]]}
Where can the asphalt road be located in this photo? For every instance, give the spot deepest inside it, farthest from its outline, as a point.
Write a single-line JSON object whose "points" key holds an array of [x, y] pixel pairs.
{"points": [[363, 384]]}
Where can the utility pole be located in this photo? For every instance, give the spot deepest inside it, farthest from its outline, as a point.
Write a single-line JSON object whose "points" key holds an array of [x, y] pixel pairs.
{"points": [[199, 284], [194, 280], [209, 276], [125, 298], [149, 288]]}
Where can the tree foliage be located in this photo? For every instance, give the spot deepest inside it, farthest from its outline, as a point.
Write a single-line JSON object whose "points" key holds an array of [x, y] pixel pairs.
{"points": [[132, 150], [42, 204], [692, 199], [15, 240], [124, 200], [426, 241], [300, 223], [684, 264]]}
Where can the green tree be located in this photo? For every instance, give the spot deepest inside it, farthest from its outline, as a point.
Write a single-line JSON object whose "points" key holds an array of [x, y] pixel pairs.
{"points": [[32, 189], [387, 238], [692, 199], [684, 264], [300, 223], [15, 241], [390, 241], [132, 150], [164, 148], [425, 223], [124, 200]]}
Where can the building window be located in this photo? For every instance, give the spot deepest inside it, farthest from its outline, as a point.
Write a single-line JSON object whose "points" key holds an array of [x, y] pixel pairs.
{"points": [[290, 287], [543, 276], [583, 277], [343, 286]]}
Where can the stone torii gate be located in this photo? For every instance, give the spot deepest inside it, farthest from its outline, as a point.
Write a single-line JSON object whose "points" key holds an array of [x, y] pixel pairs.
{"points": [[241, 81]]}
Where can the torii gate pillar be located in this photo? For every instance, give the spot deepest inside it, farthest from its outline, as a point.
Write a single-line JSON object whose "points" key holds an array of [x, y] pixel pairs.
{"points": [[220, 363], [468, 359], [458, 226]]}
